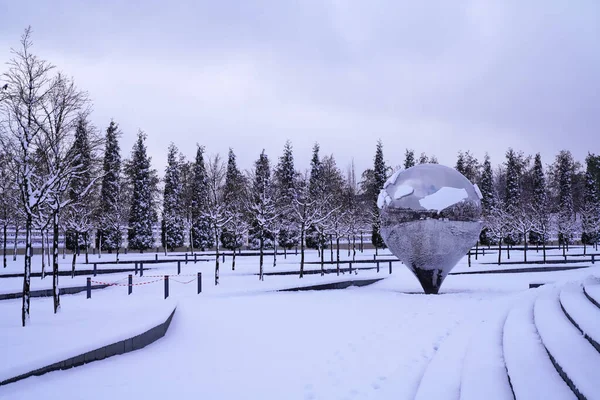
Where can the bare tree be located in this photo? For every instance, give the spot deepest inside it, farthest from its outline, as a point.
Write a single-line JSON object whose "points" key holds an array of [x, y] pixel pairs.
{"points": [[308, 212], [498, 225], [521, 221], [8, 199], [216, 212], [29, 84], [542, 224]]}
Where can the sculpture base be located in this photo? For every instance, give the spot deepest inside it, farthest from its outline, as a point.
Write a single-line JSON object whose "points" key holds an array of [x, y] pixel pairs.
{"points": [[430, 279]]}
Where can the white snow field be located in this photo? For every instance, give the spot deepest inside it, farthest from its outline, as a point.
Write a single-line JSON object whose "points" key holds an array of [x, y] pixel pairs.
{"points": [[485, 336]]}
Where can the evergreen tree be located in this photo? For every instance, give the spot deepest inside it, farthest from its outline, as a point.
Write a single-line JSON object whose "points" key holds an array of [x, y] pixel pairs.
{"points": [[564, 170], [468, 165], [202, 236], [379, 174], [423, 159], [109, 234], [262, 207], [590, 215], [592, 162], [314, 233], [172, 214], [433, 160], [460, 163], [512, 199], [488, 200], [233, 197], [142, 215], [539, 202], [80, 216], [285, 181], [409, 159]]}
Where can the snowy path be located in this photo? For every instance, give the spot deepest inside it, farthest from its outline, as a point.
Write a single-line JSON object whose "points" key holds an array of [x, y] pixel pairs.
{"points": [[353, 343]]}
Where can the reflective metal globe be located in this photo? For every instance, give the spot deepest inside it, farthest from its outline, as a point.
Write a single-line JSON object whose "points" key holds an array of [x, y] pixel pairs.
{"points": [[430, 218]]}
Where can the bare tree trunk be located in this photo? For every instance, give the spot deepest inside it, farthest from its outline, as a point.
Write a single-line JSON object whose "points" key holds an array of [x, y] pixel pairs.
{"points": [[353, 247], [508, 251], [337, 251], [331, 248], [361, 242], [15, 244], [87, 247], [48, 247], [100, 245], [499, 250], [302, 251], [43, 275], [75, 251], [348, 246], [322, 259], [544, 250], [27, 270], [285, 253], [274, 253], [233, 260], [525, 248], [55, 291], [261, 257], [216, 258], [4, 240]]}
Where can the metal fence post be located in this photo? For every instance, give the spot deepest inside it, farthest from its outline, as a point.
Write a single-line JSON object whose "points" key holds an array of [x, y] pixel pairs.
{"points": [[199, 282], [141, 269], [178, 267], [186, 258], [469, 258], [377, 266], [95, 267], [350, 265], [89, 287], [166, 286], [156, 257], [223, 257], [130, 285], [195, 258], [593, 259], [136, 268], [390, 267]]}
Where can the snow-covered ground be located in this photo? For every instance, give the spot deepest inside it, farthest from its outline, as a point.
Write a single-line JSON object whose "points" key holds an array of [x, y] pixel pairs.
{"points": [[243, 339]]}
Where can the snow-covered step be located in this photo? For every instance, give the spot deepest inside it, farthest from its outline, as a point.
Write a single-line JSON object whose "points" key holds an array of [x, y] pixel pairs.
{"points": [[592, 291], [582, 312], [484, 374], [531, 372], [575, 358]]}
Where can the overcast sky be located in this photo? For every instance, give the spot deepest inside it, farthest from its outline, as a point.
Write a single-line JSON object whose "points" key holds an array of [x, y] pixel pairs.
{"points": [[435, 76]]}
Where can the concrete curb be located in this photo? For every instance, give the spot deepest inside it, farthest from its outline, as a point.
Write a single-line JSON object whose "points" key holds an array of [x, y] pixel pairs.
{"points": [[124, 346], [48, 292], [334, 285], [519, 270]]}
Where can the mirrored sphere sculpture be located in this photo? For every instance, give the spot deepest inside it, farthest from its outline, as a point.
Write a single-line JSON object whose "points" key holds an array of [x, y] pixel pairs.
{"points": [[430, 218]]}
